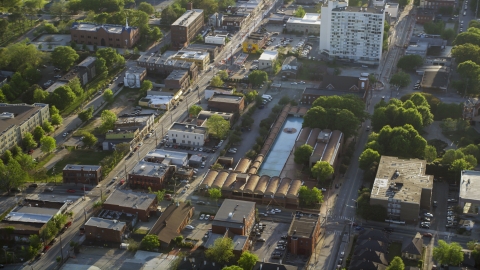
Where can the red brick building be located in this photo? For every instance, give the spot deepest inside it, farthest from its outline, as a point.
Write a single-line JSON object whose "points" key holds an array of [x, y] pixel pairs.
{"points": [[238, 217], [186, 28], [82, 174], [142, 204], [303, 234], [109, 35], [226, 103], [105, 230], [150, 174]]}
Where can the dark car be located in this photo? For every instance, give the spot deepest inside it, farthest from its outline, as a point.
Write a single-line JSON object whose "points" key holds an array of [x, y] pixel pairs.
{"points": [[388, 229], [121, 84], [201, 203], [33, 185], [424, 226]]}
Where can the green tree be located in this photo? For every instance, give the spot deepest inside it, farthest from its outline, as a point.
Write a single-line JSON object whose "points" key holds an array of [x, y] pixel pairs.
{"points": [[215, 193], [108, 94], [233, 267], [221, 251], [89, 139], [459, 165], [396, 264], [217, 166], [216, 81], [155, 34], [47, 127], [38, 133], [309, 197], [59, 10], [448, 34], [247, 260], [108, 120], [48, 144], [194, 110], [218, 126], [430, 153], [347, 102], [86, 115], [64, 57], [410, 62], [101, 66], [400, 79], [28, 141], [12, 175], [257, 77], [300, 12], [251, 96], [20, 55], [147, 8], [111, 57], [322, 170], [466, 52], [56, 119], [145, 86], [367, 158], [302, 154], [222, 74], [159, 193], [450, 254], [150, 242]]}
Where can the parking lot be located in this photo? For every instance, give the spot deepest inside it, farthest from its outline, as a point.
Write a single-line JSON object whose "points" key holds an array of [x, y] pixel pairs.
{"points": [[272, 234], [201, 228]]}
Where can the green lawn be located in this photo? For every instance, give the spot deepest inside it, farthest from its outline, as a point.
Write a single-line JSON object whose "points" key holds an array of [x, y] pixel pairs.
{"points": [[80, 157]]}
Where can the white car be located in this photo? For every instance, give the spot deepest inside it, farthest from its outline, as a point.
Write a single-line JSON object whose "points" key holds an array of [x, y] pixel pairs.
{"points": [[200, 149], [207, 217], [202, 216], [293, 83], [428, 215], [263, 214], [64, 134], [277, 210], [190, 227]]}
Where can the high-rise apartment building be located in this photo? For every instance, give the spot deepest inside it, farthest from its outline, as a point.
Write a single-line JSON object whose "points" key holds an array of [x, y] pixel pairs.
{"points": [[186, 28], [352, 33]]}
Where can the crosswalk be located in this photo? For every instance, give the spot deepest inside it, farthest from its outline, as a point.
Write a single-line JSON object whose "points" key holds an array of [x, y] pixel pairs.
{"points": [[336, 217], [333, 232]]}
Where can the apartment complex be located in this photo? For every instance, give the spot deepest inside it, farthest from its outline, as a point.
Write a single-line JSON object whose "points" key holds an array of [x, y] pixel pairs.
{"points": [[110, 35], [82, 174], [186, 28], [402, 187], [17, 119], [352, 33]]}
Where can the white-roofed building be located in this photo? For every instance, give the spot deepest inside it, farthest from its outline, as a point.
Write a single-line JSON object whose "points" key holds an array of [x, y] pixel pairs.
{"points": [[309, 24], [469, 198], [266, 59], [176, 158]]}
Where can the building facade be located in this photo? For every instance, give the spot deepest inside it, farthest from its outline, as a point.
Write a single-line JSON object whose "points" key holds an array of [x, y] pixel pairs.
{"points": [[200, 58], [303, 234], [172, 221], [234, 216], [309, 24], [177, 80], [164, 65], [144, 205], [352, 33], [185, 134], [150, 175], [254, 42], [105, 230], [436, 4], [17, 119], [226, 103], [267, 59], [109, 35], [82, 174], [186, 28], [134, 77]]}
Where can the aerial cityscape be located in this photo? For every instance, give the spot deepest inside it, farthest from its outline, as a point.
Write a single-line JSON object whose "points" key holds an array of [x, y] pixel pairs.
{"points": [[240, 135]]}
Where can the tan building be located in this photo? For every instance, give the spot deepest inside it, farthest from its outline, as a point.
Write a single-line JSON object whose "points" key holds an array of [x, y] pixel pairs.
{"points": [[402, 187], [172, 221], [177, 80], [226, 103], [186, 28], [17, 119], [237, 217], [105, 230], [200, 58], [327, 147], [303, 234], [82, 174], [135, 203], [109, 35], [164, 64]]}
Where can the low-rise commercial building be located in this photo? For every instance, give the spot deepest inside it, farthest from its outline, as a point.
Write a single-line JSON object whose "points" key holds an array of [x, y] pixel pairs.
{"points": [[309, 24], [424, 15], [211, 90], [204, 115], [164, 64], [157, 102], [469, 199], [254, 42], [134, 76], [177, 80], [435, 78], [211, 49], [178, 159], [402, 187], [144, 205], [290, 67], [82, 174], [186, 134], [150, 175], [303, 234], [105, 230], [226, 103], [18, 119], [172, 221], [232, 22], [110, 35], [338, 85], [85, 72], [327, 147], [267, 59], [237, 217], [200, 58]]}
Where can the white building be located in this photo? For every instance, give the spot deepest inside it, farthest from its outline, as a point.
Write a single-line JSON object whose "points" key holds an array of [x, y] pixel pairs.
{"points": [[217, 40], [352, 33], [392, 9], [266, 59], [134, 77], [186, 134], [309, 24], [378, 3], [176, 158]]}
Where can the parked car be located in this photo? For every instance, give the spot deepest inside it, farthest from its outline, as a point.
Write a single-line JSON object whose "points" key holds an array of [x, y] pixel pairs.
{"points": [[190, 227], [427, 235], [201, 202], [71, 190], [33, 185], [430, 215], [202, 216], [261, 240]]}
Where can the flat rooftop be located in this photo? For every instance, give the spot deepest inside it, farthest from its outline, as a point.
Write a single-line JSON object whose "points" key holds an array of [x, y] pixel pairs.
{"points": [[136, 70], [188, 128], [36, 210], [188, 17], [75, 167], [309, 18], [130, 199], [303, 226], [28, 217], [360, 10], [152, 169], [160, 153], [195, 55], [92, 27], [268, 55], [401, 179], [15, 114], [177, 74], [111, 224], [226, 98], [88, 61], [233, 211], [470, 185]]}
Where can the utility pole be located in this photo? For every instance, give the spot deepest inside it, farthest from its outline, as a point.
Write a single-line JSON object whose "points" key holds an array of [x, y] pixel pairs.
{"points": [[85, 213], [61, 247]]}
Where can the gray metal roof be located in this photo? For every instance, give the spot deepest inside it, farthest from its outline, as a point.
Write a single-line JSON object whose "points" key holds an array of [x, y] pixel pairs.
{"points": [[233, 211], [105, 223], [130, 199]]}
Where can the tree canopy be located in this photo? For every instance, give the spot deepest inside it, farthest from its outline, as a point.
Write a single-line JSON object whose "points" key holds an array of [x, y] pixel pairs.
{"points": [[396, 264], [450, 254], [221, 251], [332, 118], [48, 144], [400, 79], [108, 120], [64, 57], [300, 12], [216, 81], [194, 110], [218, 126], [247, 260], [150, 242], [410, 62], [309, 197], [302, 154], [322, 170], [257, 77]]}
